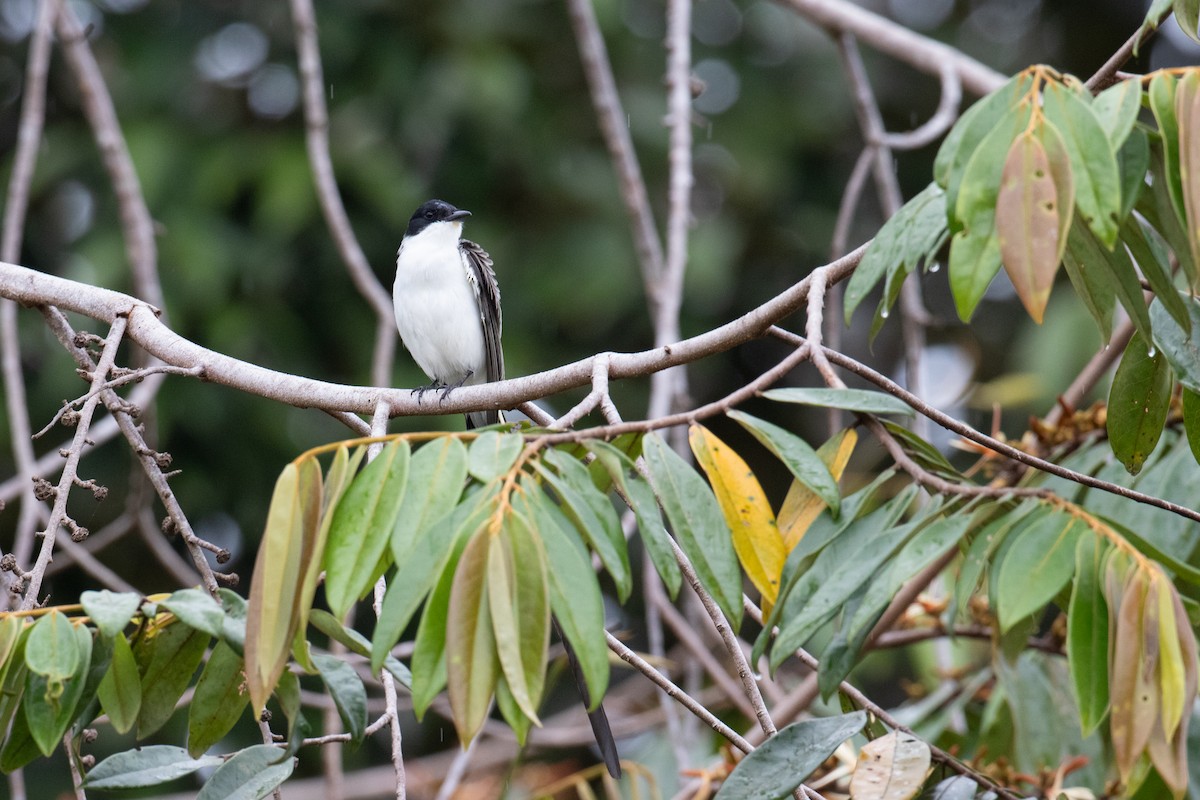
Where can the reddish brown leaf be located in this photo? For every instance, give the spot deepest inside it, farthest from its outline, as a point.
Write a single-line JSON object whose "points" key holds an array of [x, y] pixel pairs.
{"points": [[1135, 660], [1027, 222]]}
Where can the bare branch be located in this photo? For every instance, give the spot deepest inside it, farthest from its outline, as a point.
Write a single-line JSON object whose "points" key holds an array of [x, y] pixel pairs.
{"points": [[136, 223], [58, 513], [33, 288], [927, 55], [615, 129]]}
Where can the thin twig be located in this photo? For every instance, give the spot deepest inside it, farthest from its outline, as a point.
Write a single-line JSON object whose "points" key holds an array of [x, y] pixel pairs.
{"points": [[136, 223], [70, 471], [29, 137], [675, 693], [741, 665], [943, 117], [690, 639], [669, 386], [1106, 75], [316, 118], [614, 127], [135, 376]]}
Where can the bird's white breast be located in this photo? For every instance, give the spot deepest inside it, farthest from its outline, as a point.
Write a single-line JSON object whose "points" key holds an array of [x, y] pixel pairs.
{"points": [[437, 311]]}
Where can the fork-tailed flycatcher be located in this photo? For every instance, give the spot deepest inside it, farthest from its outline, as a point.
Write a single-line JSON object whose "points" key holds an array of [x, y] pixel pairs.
{"points": [[448, 304]]}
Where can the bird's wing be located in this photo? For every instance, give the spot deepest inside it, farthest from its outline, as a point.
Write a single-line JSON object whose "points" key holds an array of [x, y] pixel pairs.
{"points": [[487, 292]]}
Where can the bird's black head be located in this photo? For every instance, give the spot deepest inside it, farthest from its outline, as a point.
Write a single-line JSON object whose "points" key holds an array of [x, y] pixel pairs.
{"points": [[431, 212]]}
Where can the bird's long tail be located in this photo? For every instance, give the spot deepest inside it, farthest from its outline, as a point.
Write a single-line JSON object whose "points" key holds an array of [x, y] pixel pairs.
{"points": [[597, 718], [481, 419]]}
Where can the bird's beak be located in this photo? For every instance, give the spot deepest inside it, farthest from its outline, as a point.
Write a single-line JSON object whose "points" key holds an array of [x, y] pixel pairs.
{"points": [[457, 215]]}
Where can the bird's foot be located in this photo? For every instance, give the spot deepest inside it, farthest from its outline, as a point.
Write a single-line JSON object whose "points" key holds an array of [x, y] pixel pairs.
{"points": [[448, 388], [421, 390]]}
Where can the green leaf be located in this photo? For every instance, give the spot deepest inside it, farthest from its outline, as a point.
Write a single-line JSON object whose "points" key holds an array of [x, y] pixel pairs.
{"points": [[171, 655], [429, 653], [1191, 421], [120, 691], [847, 563], [1037, 565], [1093, 163], [640, 497], [418, 572], [1187, 14], [1092, 282], [20, 747], [511, 711], [1180, 345], [1116, 269], [341, 472], [1152, 259], [362, 527], [436, 477], [13, 674], [250, 775], [347, 691], [796, 454], [575, 596], [493, 454], [52, 649], [219, 700], [780, 764], [197, 609], [699, 527], [1087, 633], [233, 630], [592, 513], [50, 703], [1154, 204], [972, 128], [910, 236], [1133, 161], [519, 602], [861, 400], [930, 542], [1162, 103], [1138, 403], [975, 249], [471, 668], [1117, 108], [984, 545], [110, 611], [146, 766]]}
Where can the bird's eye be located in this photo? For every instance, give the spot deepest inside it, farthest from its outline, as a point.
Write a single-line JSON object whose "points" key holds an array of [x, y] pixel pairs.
{"points": [[428, 215]]}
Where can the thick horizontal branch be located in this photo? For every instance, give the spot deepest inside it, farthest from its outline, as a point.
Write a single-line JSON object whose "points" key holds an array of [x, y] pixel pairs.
{"points": [[886, 36], [32, 288]]}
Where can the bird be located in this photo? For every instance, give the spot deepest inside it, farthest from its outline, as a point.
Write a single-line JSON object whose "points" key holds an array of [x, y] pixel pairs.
{"points": [[447, 305]]}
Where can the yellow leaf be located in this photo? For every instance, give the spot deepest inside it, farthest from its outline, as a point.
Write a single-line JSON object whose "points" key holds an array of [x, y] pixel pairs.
{"points": [[801, 506], [756, 539], [1027, 222], [892, 767], [1170, 659]]}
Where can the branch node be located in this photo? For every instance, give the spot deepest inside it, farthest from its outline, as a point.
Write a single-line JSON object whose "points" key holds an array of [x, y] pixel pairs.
{"points": [[43, 489], [227, 578], [8, 563], [78, 532], [99, 492], [169, 527]]}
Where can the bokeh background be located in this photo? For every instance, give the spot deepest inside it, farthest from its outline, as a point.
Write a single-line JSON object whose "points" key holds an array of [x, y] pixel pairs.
{"points": [[484, 104]]}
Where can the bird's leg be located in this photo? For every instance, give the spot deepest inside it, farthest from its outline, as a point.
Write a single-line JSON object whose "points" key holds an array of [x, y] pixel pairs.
{"points": [[448, 388]]}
